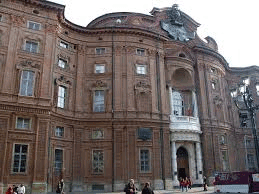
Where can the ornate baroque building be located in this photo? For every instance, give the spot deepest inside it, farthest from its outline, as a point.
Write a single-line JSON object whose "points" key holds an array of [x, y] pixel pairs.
{"points": [[129, 96]]}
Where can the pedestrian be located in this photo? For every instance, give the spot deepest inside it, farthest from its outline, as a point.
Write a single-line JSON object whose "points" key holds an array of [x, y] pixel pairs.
{"points": [[205, 186], [130, 187], [181, 183], [147, 189], [185, 184], [21, 189], [15, 189], [189, 183], [9, 190], [60, 186]]}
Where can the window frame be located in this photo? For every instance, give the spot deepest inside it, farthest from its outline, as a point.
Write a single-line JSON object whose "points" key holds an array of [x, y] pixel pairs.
{"points": [[27, 83], [34, 24], [57, 133], [100, 50], [32, 42], [63, 44], [139, 71], [13, 159], [29, 124], [64, 61], [140, 51], [149, 160], [64, 97], [103, 161], [62, 162], [95, 68], [94, 101]]}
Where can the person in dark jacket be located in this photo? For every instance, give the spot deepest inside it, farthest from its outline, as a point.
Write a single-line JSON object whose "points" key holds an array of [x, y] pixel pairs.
{"points": [[147, 189], [130, 187]]}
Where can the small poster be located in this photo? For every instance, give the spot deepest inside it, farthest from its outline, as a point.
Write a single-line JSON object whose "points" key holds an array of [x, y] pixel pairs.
{"points": [[255, 177]]}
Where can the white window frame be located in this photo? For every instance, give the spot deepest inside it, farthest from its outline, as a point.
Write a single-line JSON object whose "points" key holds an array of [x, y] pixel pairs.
{"points": [[31, 49], [62, 95], [177, 104], [62, 63], [99, 164], [141, 69], [257, 89], [100, 70], [25, 82], [59, 131], [213, 85], [23, 123], [34, 24], [100, 50], [233, 93], [55, 161], [20, 154], [140, 51], [246, 81], [144, 160], [97, 106], [63, 44]]}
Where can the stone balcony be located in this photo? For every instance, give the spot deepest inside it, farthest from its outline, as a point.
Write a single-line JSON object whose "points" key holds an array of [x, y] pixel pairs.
{"points": [[184, 123]]}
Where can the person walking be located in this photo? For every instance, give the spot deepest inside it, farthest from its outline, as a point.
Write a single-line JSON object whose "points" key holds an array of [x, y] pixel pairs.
{"points": [[181, 184], [21, 189], [15, 189], [185, 184], [147, 189], [130, 187], [60, 186], [189, 183], [205, 186], [9, 190]]}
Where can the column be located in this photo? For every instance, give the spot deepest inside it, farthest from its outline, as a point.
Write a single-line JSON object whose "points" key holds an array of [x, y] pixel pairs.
{"points": [[174, 161], [199, 161], [170, 99], [194, 101]]}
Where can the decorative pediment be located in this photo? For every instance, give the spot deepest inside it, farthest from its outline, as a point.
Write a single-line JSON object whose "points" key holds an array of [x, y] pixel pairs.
{"points": [[99, 84], [142, 87], [28, 64], [63, 81]]}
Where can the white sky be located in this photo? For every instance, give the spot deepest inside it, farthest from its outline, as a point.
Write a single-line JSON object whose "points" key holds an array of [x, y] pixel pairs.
{"points": [[232, 23]]}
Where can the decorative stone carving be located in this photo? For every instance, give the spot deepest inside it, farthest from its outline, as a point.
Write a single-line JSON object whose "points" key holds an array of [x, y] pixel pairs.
{"points": [[142, 87], [17, 20], [175, 26], [152, 52], [28, 63], [62, 81], [130, 49], [52, 29], [99, 84], [97, 134], [81, 49], [218, 101]]}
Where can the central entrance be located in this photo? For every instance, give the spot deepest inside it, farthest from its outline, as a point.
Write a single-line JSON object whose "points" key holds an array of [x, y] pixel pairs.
{"points": [[182, 163]]}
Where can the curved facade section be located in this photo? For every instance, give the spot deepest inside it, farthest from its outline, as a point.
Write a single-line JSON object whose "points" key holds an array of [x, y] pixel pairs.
{"points": [[129, 96]]}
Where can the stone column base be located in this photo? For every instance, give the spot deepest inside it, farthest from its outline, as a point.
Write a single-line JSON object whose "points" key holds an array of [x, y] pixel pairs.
{"points": [[158, 184], [118, 186], [168, 184], [77, 186], [38, 187]]}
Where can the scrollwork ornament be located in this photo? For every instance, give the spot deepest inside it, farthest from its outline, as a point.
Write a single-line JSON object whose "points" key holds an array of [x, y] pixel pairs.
{"points": [[17, 20]]}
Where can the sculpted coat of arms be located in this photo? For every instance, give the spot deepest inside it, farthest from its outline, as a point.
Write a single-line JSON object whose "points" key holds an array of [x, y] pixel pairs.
{"points": [[174, 25]]}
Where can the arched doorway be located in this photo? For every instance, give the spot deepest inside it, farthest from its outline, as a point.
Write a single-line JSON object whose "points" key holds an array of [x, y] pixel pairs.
{"points": [[182, 163]]}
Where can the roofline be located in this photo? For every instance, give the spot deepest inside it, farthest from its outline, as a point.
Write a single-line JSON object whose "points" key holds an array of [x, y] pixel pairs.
{"points": [[45, 4]]}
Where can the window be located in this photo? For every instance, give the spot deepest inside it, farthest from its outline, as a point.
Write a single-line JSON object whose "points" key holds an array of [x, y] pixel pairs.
{"points": [[1, 17], [33, 25], [213, 85], [140, 51], [27, 83], [243, 119], [98, 161], [61, 96], [23, 123], [246, 81], [99, 101], [141, 69], [59, 131], [100, 51], [20, 157], [177, 104], [257, 89], [62, 63], [31, 46], [144, 160], [99, 68], [250, 161], [222, 139], [233, 93], [248, 143], [224, 160], [58, 160], [63, 44], [212, 70]]}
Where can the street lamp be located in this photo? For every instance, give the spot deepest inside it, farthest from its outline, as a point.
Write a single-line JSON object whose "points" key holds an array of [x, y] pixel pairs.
{"points": [[245, 102]]}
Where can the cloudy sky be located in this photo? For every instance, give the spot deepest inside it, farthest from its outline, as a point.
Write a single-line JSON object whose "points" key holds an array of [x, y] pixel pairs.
{"points": [[232, 23]]}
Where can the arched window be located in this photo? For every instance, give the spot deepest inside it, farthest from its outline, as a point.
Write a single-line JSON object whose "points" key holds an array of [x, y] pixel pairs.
{"points": [[177, 104]]}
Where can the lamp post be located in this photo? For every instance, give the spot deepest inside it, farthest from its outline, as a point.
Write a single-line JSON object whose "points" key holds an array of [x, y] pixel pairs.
{"points": [[245, 102]]}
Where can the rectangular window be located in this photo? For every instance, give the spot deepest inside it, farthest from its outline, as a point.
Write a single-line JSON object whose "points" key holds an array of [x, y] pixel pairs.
{"points": [[59, 131], [141, 69], [31, 46], [250, 161], [213, 85], [140, 51], [61, 96], [33, 25], [20, 157], [100, 51], [58, 160], [246, 81], [243, 119], [257, 89], [225, 166], [23, 123], [144, 160], [99, 68], [1, 17], [27, 83], [98, 161], [233, 93], [99, 101], [62, 63], [63, 44]]}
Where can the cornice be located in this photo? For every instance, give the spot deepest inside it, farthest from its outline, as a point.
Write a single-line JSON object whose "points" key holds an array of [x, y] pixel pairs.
{"points": [[45, 4], [208, 51], [251, 69]]}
